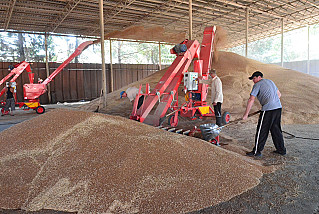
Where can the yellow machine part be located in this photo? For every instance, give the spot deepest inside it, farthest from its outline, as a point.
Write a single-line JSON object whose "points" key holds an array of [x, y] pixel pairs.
{"points": [[187, 96], [32, 105], [204, 110]]}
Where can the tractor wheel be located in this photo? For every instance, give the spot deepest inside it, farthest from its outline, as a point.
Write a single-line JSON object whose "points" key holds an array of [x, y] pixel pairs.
{"points": [[225, 118], [171, 120], [40, 109]]}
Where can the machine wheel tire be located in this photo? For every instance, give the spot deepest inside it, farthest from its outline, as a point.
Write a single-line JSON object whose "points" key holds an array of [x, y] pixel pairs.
{"points": [[226, 117], [40, 109], [171, 120]]}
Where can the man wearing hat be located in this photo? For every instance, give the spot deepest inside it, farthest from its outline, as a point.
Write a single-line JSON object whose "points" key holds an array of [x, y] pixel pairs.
{"points": [[268, 95], [131, 93]]}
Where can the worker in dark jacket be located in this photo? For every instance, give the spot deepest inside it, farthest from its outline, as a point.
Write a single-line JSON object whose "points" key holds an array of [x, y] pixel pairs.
{"points": [[10, 102], [268, 95]]}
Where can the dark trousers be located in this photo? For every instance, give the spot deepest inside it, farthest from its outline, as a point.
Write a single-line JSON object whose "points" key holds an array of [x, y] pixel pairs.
{"points": [[10, 103], [269, 121], [218, 113]]}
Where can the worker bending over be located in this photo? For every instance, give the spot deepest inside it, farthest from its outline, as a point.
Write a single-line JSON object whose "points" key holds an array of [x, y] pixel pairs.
{"points": [[268, 95], [217, 94], [131, 94]]}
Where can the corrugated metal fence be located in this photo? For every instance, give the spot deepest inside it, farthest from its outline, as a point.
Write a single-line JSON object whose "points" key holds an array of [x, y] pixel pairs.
{"points": [[78, 81]]}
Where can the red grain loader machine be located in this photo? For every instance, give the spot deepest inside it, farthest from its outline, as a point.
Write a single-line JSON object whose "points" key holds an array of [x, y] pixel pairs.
{"points": [[15, 72], [165, 94], [32, 91]]}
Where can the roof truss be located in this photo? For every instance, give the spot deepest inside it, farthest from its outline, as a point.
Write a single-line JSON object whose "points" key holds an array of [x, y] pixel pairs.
{"points": [[81, 17]]}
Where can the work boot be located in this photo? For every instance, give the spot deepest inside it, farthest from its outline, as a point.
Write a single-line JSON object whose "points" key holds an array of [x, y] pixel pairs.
{"points": [[280, 153], [219, 121], [252, 153]]}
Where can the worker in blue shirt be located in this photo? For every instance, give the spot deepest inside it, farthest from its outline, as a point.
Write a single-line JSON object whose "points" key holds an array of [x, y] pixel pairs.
{"points": [[268, 95]]}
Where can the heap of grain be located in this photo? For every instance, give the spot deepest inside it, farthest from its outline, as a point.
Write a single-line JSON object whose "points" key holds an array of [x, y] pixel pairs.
{"points": [[156, 33], [298, 90], [95, 163]]}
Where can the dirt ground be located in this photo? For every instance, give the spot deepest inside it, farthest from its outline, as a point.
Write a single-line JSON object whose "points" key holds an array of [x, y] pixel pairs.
{"points": [[293, 188]]}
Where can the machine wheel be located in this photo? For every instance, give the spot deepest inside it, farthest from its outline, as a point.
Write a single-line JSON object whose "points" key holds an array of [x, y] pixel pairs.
{"points": [[226, 117], [40, 109], [171, 120]]}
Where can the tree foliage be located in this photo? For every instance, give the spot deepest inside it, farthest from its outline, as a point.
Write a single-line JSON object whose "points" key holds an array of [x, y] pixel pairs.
{"points": [[31, 47]]}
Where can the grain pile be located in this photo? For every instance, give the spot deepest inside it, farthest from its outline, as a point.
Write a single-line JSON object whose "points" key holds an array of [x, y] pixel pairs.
{"points": [[299, 91], [95, 163], [156, 33]]}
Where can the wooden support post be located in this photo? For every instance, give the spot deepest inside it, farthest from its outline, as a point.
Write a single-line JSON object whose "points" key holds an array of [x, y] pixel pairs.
{"points": [[111, 67], [47, 64], [308, 59], [159, 56], [190, 20], [282, 42], [103, 53], [247, 27]]}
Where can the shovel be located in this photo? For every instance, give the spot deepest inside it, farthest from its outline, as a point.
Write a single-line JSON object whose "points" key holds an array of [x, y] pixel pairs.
{"points": [[211, 130]]}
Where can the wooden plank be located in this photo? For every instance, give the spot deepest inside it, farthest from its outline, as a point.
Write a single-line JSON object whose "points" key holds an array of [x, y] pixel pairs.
{"points": [[66, 84], [73, 82], [99, 78], [139, 72], [144, 68], [80, 81], [59, 84], [127, 73], [118, 74], [94, 81], [52, 84], [134, 72], [116, 79], [87, 82], [2, 75], [43, 75]]}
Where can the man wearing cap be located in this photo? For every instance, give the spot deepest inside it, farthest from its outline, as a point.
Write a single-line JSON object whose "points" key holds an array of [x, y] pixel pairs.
{"points": [[268, 95], [131, 93]]}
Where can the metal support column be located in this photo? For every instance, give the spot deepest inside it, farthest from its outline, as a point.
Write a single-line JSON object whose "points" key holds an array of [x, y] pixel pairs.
{"points": [[159, 56], [190, 20], [308, 60], [111, 66], [102, 53], [47, 64], [282, 42], [247, 24]]}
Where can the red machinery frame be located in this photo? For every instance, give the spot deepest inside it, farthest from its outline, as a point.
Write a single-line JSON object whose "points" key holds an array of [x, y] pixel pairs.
{"points": [[14, 74], [165, 93], [33, 91]]}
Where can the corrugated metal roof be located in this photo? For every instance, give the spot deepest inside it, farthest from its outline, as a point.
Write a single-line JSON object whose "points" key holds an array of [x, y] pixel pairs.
{"points": [[158, 20]]}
